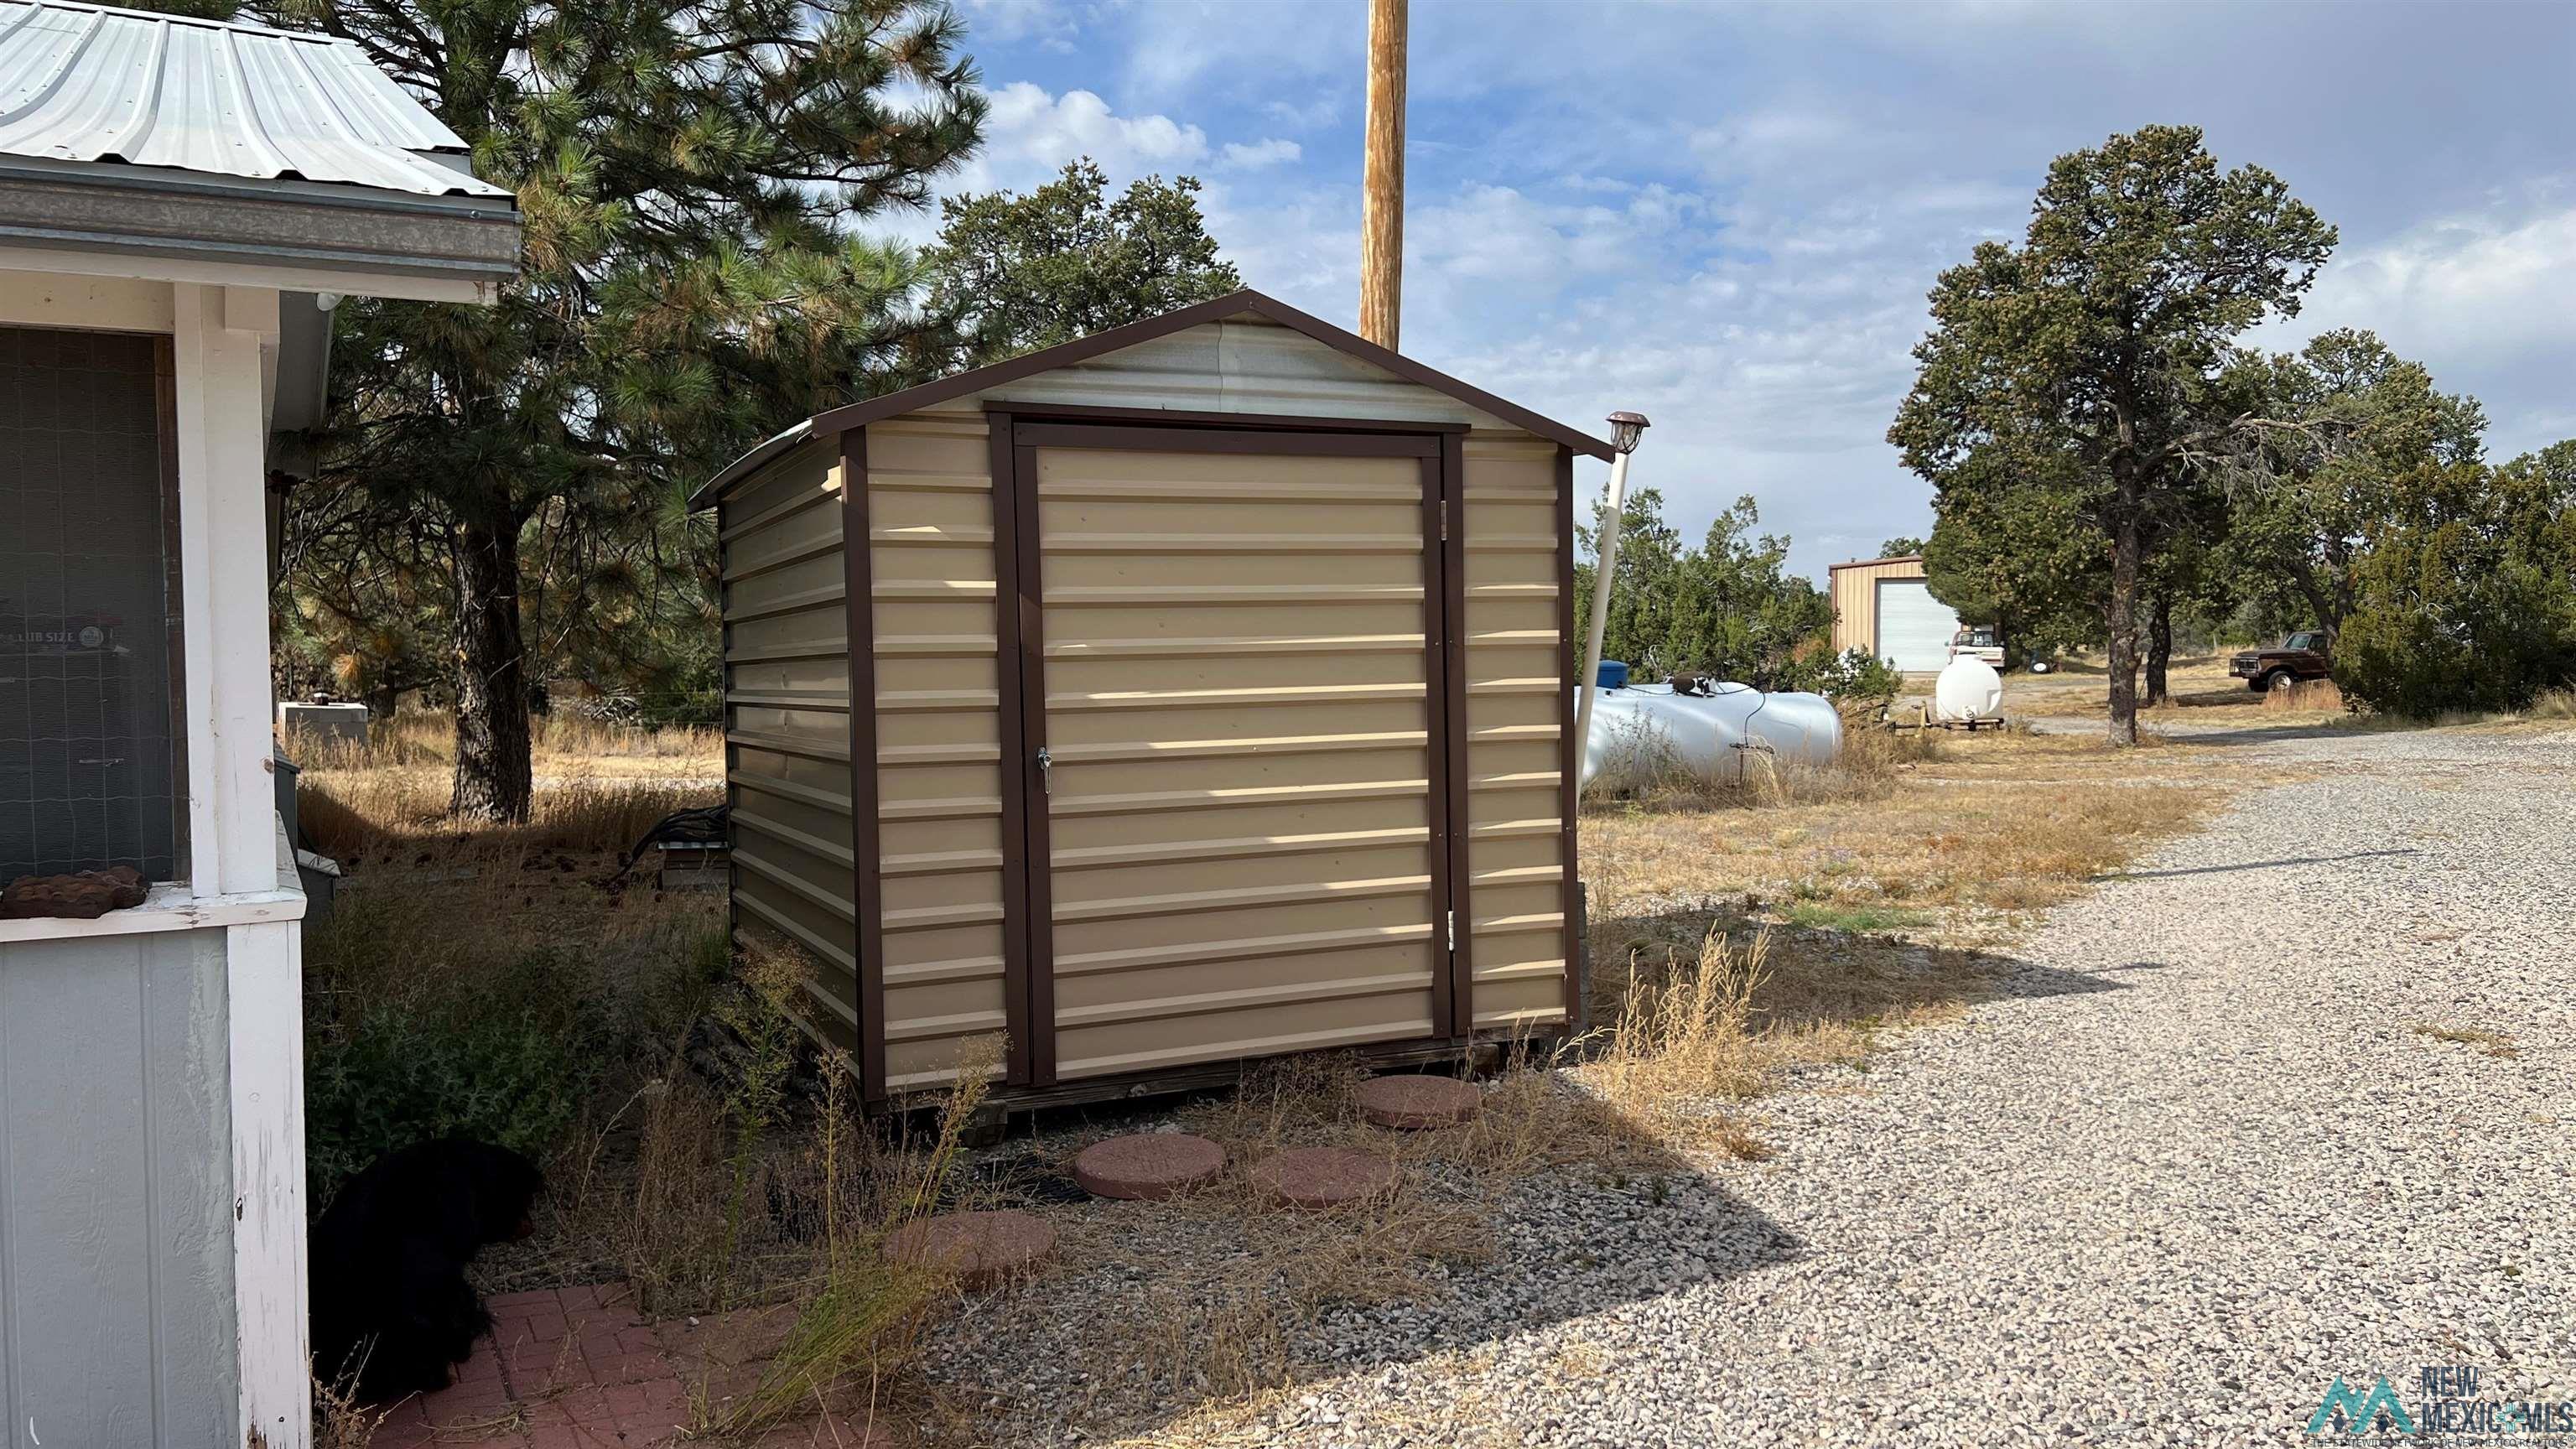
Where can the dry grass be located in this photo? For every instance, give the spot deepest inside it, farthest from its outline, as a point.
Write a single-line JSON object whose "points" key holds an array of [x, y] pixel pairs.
{"points": [[340, 1421], [584, 746], [2308, 696], [1967, 826], [861, 1321], [1685, 1042], [1737, 945], [598, 787], [2553, 710], [2199, 691], [2488, 1043]]}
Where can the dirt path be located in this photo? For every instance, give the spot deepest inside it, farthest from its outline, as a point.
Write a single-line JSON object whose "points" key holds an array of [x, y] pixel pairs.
{"points": [[2293, 1098]]}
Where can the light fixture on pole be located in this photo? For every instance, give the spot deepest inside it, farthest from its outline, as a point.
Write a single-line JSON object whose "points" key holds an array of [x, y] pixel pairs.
{"points": [[1625, 430]]}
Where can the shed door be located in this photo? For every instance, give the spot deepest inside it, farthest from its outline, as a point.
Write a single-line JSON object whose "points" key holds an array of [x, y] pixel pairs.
{"points": [[1242, 815], [1914, 628]]}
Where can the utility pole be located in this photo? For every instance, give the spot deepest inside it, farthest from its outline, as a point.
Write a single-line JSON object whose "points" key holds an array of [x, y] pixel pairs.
{"points": [[1382, 178]]}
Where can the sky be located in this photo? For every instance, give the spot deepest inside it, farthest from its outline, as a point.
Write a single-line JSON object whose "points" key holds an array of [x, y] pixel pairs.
{"points": [[1726, 216]]}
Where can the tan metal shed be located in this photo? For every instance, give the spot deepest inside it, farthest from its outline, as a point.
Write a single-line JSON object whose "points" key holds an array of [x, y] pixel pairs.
{"points": [[1220, 673], [1859, 591]]}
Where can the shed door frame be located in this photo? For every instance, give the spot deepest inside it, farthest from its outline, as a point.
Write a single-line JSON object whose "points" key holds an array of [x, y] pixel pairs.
{"points": [[1017, 434]]}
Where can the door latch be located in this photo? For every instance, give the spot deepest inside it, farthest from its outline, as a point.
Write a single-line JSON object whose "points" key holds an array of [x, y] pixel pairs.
{"points": [[1046, 780]]}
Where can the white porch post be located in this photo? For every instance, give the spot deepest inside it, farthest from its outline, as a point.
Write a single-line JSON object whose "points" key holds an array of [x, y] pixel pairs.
{"points": [[219, 336], [265, 984], [225, 341]]}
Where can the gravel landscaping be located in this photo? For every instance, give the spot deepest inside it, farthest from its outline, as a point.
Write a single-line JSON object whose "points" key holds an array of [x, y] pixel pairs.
{"points": [[2292, 1098]]}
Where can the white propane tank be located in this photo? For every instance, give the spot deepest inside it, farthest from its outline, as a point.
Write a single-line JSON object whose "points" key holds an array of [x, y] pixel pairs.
{"points": [[1641, 730], [1968, 689]]}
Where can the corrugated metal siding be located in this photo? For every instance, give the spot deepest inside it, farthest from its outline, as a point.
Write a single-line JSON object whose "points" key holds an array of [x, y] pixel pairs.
{"points": [[1515, 720], [116, 1250], [787, 721], [1236, 705], [1238, 711], [1241, 365], [1855, 598], [939, 764], [78, 83]]}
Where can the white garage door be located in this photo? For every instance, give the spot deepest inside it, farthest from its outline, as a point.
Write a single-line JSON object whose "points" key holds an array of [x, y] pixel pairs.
{"points": [[1914, 628]]}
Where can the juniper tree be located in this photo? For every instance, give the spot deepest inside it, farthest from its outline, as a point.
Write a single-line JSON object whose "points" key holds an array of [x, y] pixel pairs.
{"points": [[2311, 496], [1023, 272], [2100, 342]]}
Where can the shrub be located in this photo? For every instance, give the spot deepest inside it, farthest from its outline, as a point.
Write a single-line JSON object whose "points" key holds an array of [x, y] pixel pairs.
{"points": [[509, 1068], [2468, 606], [1854, 674]]}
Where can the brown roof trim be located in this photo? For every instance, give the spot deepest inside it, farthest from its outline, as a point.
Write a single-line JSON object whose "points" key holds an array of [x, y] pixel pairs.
{"points": [[1863, 563], [1082, 349]]}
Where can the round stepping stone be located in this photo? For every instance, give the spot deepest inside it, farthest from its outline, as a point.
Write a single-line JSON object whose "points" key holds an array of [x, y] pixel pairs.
{"points": [[1323, 1177], [1414, 1101], [1148, 1166], [982, 1248]]}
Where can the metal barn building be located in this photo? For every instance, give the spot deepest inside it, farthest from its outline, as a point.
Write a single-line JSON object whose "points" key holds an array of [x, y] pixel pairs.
{"points": [[1884, 606], [1212, 706]]}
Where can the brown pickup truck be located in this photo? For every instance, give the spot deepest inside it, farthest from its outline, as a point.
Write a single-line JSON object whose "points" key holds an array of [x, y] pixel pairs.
{"points": [[2301, 656]]}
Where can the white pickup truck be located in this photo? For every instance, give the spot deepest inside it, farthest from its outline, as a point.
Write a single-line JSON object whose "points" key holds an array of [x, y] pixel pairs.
{"points": [[1978, 641]]}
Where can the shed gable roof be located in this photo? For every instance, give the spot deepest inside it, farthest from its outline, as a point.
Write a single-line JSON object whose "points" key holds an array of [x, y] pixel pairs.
{"points": [[1236, 304], [1204, 360]]}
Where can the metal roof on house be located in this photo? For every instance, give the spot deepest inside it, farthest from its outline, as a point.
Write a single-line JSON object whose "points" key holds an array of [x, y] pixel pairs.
{"points": [[85, 83]]}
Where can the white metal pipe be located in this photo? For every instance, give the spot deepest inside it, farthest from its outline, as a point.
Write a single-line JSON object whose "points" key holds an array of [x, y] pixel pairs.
{"points": [[1604, 572]]}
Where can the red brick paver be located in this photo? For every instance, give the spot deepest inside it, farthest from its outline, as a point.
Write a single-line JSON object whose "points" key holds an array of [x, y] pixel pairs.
{"points": [[1148, 1166], [1413, 1102], [1323, 1177], [982, 1248], [578, 1368]]}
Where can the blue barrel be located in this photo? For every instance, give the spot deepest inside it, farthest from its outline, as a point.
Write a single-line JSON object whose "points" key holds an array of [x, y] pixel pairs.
{"points": [[1614, 675]]}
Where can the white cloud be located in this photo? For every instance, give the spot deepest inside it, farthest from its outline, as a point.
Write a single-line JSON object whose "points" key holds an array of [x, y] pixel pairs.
{"points": [[1274, 151], [1010, 20], [1028, 125], [1313, 113], [2459, 283], [1030, 134], [2481, 298], [1774, 140]]}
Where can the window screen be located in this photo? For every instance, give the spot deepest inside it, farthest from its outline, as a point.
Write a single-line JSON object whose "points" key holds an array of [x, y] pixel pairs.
{"points": [[88, 611]]}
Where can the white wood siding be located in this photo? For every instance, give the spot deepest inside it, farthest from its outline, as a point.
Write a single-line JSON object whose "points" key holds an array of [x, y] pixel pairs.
{"points": [[116, 1196]]}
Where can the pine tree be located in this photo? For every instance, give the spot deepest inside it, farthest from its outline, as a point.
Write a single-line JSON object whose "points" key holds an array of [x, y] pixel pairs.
{"points": [[2098, 345], [690, 177]]}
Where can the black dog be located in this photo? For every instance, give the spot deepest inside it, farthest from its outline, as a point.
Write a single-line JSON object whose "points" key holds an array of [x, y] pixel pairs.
{"points": [[391, 1307]]}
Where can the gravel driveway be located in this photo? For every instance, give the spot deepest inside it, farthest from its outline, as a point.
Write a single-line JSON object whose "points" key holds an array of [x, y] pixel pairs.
{"points": [[2202, 1160]]}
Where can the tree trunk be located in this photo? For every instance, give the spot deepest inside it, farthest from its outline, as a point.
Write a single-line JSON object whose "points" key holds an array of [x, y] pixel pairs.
{"points": [[492, 758], [2120, 619], [2159, 651], [2320, 603]]}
